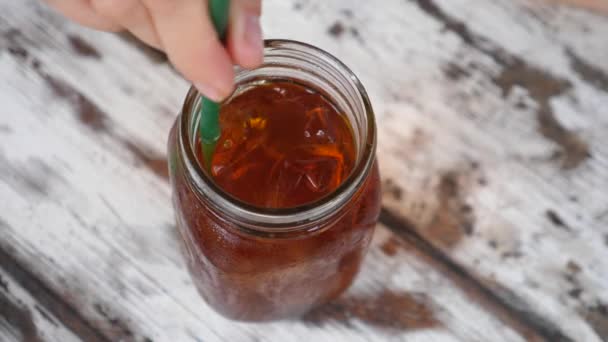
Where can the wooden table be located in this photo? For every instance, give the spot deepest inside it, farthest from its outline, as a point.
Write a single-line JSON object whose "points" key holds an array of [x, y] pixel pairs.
{"points": [[493, 125]]}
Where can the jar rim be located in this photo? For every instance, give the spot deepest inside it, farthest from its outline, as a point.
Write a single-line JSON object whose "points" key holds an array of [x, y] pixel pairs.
{"points": [[256, 219]]}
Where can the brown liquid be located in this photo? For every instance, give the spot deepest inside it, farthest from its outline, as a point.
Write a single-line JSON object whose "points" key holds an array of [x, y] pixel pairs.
{"points": [[282, 145], [255, 278]]}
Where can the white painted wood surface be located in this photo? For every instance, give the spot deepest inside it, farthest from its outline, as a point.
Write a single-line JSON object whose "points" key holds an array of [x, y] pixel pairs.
{"points": [[84, 205], [28, 321]]}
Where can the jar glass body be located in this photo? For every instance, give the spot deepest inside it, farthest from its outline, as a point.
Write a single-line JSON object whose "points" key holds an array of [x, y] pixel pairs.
{"points": [[257, 264]]}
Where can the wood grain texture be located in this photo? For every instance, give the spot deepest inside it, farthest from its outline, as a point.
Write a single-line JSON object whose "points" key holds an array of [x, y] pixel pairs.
{"points": [[22, 318], [492, 125]]}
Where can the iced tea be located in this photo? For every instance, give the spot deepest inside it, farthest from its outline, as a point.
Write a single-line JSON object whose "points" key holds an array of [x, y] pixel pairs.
{"points": [[280, 220], [282, 145]]}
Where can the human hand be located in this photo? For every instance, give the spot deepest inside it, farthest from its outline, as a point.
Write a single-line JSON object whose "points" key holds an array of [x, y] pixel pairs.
{"points": [[184, 31]]}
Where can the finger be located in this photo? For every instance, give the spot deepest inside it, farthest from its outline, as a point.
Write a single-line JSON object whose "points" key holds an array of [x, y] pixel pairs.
{"points": [[190, 41], [81, 12], [245, 42], [132, 15]]}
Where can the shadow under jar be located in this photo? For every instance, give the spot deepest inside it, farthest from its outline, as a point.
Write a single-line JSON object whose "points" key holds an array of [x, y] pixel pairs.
{"points": [[253, 263]]}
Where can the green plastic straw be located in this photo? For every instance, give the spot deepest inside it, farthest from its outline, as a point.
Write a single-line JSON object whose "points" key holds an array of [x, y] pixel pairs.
{"points": [[209, 125]]}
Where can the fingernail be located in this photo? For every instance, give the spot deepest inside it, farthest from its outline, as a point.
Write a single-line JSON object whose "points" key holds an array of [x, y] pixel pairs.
{"points": [[253, 34], [210, 92]]}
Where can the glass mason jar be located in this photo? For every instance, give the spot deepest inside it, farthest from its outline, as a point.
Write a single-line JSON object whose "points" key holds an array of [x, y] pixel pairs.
{"points": [[255, 264]]}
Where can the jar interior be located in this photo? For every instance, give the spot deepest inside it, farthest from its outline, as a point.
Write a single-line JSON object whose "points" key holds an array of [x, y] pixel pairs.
{"points": [[312, 68]]}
